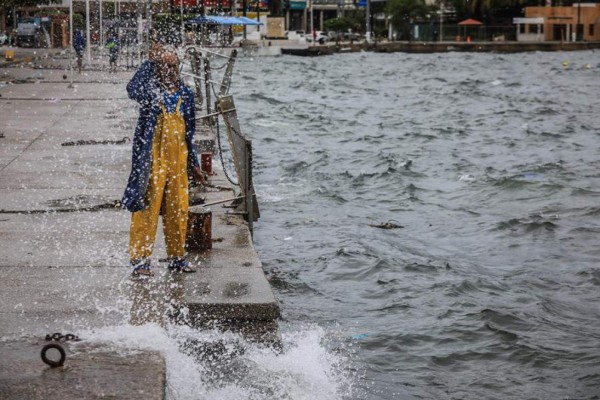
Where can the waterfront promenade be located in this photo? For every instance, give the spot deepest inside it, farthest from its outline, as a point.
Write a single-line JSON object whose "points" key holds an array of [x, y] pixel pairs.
{"points": [[438, 47], [59, 57], [64, 262]]}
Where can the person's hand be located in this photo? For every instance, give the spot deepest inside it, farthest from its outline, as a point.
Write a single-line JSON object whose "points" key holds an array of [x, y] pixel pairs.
{"points": [[198, 175]]}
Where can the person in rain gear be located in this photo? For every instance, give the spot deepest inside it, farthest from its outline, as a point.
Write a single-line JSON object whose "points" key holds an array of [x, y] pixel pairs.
{"points": [[79, 44], [163, 155], [113, 52]]}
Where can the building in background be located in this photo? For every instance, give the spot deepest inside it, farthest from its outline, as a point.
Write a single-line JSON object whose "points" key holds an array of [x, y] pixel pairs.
{"points": [[581, 21], [297, 14]]}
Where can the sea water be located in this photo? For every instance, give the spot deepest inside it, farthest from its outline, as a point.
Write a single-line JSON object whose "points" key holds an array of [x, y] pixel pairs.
{"points": [[487, 165], [489, 162]]}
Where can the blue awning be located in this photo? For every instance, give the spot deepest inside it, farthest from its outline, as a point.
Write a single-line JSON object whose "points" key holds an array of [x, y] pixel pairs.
{"points": [[223, 20], [297, 5]]}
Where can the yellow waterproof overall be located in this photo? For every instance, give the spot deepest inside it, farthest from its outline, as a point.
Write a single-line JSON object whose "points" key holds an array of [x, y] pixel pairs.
{"points": [[167, 189]]}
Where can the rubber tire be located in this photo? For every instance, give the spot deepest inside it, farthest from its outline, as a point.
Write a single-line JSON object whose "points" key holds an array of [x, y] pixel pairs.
{"points": [[51, 363]]}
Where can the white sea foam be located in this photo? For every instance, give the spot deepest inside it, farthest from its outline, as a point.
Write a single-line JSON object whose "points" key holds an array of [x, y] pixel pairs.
{"points": [[239, 369], [268, 194], [266, 123], [466, 178]]}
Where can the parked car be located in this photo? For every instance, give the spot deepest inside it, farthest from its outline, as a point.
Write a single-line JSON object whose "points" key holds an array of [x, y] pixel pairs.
{"points": [[3, 38], [333, 35], [347, 35], [295, 35], [321, 38]]}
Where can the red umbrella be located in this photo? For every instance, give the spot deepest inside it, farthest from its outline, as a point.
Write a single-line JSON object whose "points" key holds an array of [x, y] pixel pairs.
{"points": [[470, 21]]}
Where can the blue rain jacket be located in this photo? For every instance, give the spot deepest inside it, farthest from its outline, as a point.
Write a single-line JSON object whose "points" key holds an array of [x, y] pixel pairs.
{"points": [[79, 42], [145, 89]]}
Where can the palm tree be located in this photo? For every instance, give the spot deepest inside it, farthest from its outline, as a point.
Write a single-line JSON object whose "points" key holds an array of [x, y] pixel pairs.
{"points": [[7, 4], [487, 8], [402, 12]]}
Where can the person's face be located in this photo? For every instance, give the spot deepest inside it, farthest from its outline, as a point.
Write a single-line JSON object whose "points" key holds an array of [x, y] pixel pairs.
{"points": [[156, 50], [168, 68]]}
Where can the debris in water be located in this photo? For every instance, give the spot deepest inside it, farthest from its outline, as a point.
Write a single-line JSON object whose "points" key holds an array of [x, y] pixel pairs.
{"points": [[386, 225]]}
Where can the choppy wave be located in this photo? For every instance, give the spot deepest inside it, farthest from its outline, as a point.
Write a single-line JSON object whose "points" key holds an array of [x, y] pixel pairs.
{"points": [[489, 162]]}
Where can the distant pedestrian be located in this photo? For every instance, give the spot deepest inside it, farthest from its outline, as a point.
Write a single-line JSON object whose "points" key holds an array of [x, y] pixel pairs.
{"points": [[113, 47], [79, 44], [163, 154]]}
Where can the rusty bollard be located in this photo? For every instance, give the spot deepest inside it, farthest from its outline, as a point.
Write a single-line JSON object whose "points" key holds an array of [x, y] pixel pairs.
{"points": [[199, 229], [9, 55], [206, 162]]}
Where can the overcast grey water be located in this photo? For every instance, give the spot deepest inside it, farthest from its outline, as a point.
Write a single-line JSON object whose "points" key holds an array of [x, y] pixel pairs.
{"points": [[489, 162]]}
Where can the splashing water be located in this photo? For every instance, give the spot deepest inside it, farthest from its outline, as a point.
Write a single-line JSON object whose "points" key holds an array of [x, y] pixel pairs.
{"points": [[216, 365]]}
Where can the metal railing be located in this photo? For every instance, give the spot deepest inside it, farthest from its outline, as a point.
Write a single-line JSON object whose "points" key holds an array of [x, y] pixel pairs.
{"points": [[241, 147]]}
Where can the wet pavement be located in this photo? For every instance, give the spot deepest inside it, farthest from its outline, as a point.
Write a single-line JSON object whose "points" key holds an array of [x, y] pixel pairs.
{"points": [[64, 263]]}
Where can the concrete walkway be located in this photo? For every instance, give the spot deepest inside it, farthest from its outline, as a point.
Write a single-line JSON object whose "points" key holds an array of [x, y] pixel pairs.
{"points": [[64, 262]]}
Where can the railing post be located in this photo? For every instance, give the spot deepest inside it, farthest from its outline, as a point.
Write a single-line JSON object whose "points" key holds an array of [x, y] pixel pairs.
{"points": [[248, 189], [207, 80], [195, 59]]}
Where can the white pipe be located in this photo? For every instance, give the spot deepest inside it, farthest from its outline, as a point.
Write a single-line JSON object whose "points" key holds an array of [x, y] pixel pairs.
{"points": [[88, 47], [181, 14], [368, 22], [202, 49], [139, 28], [222, 201], [441, 20], [199, 77], [71, 40], [101, 30], [312, 20]]}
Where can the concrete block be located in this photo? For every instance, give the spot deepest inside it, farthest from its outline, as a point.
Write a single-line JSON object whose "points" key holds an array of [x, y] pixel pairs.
{"points": [[88, 373], [229, 294]]}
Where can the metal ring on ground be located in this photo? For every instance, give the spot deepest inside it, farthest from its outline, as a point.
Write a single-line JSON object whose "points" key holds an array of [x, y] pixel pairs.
{"points": [[52, 363]]}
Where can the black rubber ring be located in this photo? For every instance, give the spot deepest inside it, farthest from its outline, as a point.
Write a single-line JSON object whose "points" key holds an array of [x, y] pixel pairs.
{"points": [[51, 363]]}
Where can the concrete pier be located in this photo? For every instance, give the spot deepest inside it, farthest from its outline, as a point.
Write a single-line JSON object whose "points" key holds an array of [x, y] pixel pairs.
{"points": [[439, 47], [480, 47], [64, 262]]}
